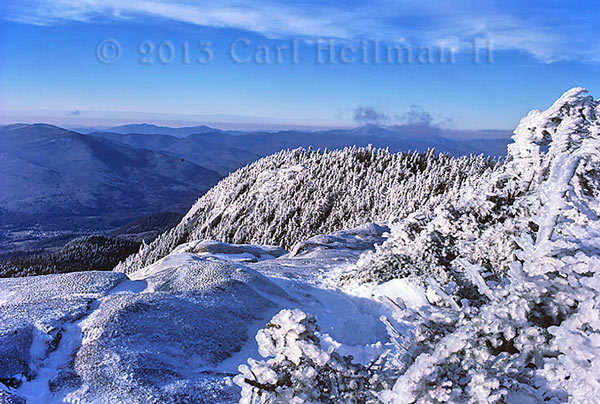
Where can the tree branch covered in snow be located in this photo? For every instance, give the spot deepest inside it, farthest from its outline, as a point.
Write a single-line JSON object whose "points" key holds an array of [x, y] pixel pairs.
{"points": [[300, 370]]}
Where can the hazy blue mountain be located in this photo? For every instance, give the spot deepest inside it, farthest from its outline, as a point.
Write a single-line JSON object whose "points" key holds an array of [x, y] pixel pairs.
{"points": [[453, 141], [55, 176], [224, 152], [220, 152], [148, 129]]}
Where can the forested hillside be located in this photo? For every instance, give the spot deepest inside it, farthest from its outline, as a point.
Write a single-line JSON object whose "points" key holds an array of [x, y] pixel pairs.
{"points": [[87, 253], [292, 195]]}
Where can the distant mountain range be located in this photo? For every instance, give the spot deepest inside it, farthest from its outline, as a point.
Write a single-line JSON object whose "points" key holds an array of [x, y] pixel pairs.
{"points": [[216, 151], [63, 179], [53, 176], [148, 129], [224, 152]]}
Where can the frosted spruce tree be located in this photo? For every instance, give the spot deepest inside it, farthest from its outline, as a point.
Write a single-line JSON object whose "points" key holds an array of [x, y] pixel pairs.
{"points": [[529, 333], [298, 369]]}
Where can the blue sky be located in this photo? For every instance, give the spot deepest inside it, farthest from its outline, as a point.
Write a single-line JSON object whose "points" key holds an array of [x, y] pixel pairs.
{"points": [[50, 69]]}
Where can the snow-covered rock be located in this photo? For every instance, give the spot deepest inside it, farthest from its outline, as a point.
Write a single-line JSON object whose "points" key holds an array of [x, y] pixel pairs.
{"points": [[361, 238], [232, 252], [176, 330], [33, 312]]}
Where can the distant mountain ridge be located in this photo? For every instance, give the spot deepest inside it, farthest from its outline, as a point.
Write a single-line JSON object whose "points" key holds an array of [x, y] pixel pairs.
{"points": [[49, 174], [150, 129], [215, 151], [225, 152]]}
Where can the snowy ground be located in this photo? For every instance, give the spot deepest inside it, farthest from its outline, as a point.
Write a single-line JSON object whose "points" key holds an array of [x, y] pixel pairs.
{"points": [[177, 331]]}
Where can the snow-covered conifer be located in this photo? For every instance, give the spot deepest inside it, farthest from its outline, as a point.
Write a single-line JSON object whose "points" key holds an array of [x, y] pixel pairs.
{"points": [[298, 369], [531, 335]]}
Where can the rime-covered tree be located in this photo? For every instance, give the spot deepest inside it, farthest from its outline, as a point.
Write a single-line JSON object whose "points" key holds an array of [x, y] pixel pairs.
{"points": [[528, 330], [298, 369]]}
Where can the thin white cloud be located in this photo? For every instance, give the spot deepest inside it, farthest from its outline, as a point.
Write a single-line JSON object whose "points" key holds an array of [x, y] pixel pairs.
{"points": [[536, 29]]}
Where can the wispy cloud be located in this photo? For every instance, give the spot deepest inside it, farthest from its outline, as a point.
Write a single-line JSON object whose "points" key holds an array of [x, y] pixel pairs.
{"points": [[416, 116], [560, 31], [364, 115]]}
